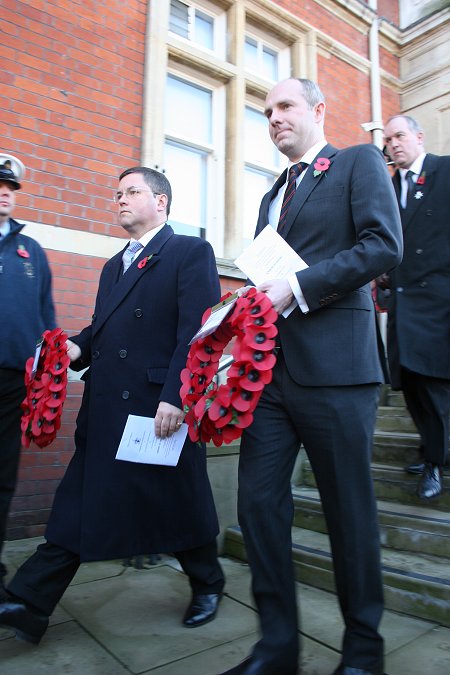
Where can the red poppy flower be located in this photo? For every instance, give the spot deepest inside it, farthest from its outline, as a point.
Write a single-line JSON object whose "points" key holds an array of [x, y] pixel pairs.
{"points": [[421, 179], [219, 414], [22, 251], [321, 164], [142, 263], [45, 391]]}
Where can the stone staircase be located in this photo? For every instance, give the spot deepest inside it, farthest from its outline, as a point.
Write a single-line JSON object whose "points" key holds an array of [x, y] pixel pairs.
{"points": [[415, 536]]}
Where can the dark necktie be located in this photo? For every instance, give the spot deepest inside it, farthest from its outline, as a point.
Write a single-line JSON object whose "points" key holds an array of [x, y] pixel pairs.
{"points": [[411, 185], [294, 173], [129, 254]]}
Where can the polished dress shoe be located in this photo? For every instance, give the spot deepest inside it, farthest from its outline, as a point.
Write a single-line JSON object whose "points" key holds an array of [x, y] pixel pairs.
{"points": [[29, 624], [255, 666], [203, 608], [430, 485], [416, 469]]}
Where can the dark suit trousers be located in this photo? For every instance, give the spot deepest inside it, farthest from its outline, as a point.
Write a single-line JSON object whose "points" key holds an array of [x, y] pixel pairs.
{"points": [[428, 401], [336, 425], [12, 393], [42, 579]]}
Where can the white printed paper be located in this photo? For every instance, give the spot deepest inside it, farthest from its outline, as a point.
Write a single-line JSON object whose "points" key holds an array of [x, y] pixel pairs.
{"points": [[268, 257], [213, 321], [139, 443]]}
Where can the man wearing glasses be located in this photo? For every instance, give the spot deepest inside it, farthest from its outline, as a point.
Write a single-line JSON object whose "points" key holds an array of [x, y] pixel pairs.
{"points": [[150, 301]]}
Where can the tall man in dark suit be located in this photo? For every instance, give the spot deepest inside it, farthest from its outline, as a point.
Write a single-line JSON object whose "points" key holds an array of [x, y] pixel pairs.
{"points": [[419, 304], [343, 221], [147, 309]]}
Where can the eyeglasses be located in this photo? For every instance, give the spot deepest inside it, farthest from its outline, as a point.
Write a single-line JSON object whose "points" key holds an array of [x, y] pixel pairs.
{"points": [[131, 193]]}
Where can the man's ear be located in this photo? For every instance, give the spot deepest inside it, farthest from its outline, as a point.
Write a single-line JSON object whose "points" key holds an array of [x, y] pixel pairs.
{"points": [[319, 111], [161, 202]]}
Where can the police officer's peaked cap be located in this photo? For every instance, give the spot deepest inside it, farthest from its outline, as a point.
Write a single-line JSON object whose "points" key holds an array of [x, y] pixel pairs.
{"points": [[11, 170]]}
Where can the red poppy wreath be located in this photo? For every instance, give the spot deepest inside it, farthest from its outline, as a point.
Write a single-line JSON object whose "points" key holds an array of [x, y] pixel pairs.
{"points": [[45, 390], [220, 413]]}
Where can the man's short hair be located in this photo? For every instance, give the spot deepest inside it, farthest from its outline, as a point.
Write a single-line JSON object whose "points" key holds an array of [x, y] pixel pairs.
{"points": [[155, 180], [311, 92], [410, 121]]}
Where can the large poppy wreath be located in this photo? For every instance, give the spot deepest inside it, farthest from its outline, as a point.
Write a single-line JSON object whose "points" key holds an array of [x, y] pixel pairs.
{"points": [[220, 413], [45, 390]]}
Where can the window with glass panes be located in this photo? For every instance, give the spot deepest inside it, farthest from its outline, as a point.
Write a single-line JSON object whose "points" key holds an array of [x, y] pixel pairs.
{"points": [[192, 23], [261, 166], [188, 146]]}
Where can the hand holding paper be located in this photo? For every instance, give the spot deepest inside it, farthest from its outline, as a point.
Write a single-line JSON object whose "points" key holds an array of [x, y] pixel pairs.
{"points": [[268, 258], [279, 292]]}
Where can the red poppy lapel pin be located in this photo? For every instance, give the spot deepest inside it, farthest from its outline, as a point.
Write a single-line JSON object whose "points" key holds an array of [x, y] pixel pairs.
{"points": [[321, 166], [22, 251], [421, 179], [142, 263]]}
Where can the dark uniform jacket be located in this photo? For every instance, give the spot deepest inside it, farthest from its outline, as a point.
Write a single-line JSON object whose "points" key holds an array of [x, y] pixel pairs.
{"points": [[26, 304]]}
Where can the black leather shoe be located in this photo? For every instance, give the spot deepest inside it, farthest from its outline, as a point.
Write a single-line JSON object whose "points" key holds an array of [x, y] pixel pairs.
{"points": [[29, 625], [415, 468], [203, 608], [348, 670], [255, 666], [430, 485]]}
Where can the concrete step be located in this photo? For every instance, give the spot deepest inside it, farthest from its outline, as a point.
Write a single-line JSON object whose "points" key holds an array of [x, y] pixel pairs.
{"points": [[414, 584], [409, 528], [395, 398], [393, 484], [394, 418], [399, 449]]}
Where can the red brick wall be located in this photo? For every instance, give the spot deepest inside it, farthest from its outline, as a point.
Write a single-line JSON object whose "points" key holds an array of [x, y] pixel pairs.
{"points": [[71, 87]]}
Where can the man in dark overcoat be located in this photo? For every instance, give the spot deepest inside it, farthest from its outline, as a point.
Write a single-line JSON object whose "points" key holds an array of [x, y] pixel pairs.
{"points": [[337, 210], [147, 309], [419, 304]]}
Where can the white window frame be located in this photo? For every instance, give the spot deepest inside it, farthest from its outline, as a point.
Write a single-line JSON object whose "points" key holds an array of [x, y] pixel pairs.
{"points": [[217, 14], [215, 151], [263, 40]]}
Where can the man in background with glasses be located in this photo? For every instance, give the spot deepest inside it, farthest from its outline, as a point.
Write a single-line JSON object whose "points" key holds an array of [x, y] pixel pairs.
{"points": [[150, 301]]}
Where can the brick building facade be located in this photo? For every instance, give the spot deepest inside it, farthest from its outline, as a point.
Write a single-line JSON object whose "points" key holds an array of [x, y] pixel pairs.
{"points": [[90, 88]]}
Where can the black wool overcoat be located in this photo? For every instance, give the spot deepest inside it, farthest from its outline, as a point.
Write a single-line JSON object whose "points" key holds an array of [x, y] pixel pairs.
{"points": [[419, 305], [135, 348]]}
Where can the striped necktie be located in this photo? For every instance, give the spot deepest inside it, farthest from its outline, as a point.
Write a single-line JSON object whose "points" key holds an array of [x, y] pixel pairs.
{"points": [[294, 173], [130, 253]]}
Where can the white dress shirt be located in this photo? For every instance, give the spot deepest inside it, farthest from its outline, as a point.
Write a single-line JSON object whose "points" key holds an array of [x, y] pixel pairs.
{"points": [[274, 216], [416, 168]]}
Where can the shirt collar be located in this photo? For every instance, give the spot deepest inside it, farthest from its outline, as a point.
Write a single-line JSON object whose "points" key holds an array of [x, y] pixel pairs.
{"points": [[5, 229], [148, 236], [416, 166], [311, 153]]}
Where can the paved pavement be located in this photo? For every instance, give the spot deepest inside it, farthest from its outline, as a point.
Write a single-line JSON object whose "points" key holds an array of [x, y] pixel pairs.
{"points": [[116, 620]]}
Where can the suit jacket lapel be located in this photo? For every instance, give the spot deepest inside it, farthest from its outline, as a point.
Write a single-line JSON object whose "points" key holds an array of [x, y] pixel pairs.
{"points": [[308, 184], [134, 274], [421, 192], [265, 204]]}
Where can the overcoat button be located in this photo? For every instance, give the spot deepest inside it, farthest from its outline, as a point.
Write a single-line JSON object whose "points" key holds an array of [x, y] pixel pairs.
{"points": [[138, 313], [94, 316], [125, 394], [429, 212], [419, 251], [96, 354], [399, 289], [123, 353], [423, 284]]}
